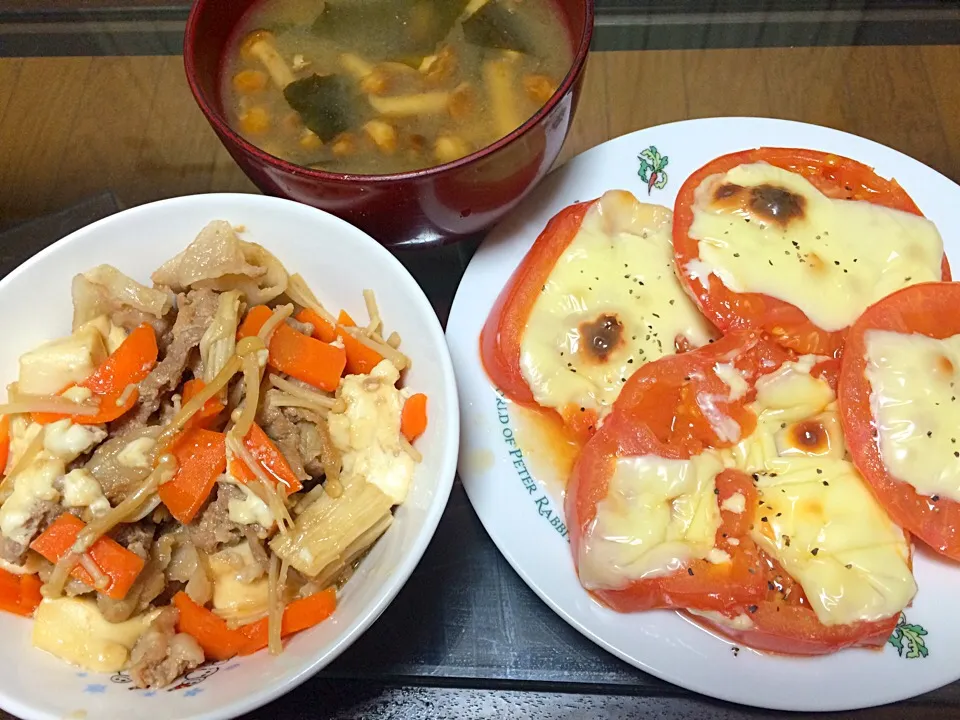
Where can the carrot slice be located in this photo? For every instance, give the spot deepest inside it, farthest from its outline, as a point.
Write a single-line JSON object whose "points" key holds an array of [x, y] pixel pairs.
{"points": [[217, 640], [11, 593], [4, 442], [298, 615], [345, 319], [129, 364], [30, 596], [116, 562], [360, 359], [270, 459], [301, 356], [322, 330], [256, 317], [210, 410], [201, 458], [413, 418], [318, 363]]}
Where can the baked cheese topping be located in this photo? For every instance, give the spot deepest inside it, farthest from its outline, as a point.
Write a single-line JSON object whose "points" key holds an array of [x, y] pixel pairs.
{"points": [[815, 514], [658, 515], [763, 229], [915, 399], [611, 303]]}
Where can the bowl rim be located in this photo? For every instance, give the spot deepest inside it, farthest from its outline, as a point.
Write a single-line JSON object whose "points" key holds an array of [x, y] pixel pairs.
{"points": [[190, 43], [448, 446]]}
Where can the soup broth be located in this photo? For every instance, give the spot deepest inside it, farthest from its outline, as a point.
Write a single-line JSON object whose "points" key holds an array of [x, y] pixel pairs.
{"points": [[387, 86]]}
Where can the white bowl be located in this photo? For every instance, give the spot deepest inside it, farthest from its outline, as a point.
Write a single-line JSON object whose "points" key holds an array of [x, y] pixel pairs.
{"points": [[338, 261]]}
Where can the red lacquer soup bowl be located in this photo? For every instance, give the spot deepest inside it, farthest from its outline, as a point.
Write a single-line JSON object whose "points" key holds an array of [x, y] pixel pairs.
{"points": [[424, 207]]}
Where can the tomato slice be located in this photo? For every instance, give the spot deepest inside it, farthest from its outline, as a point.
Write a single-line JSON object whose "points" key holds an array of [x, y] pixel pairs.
{"points": [[783, 623], [836, 177], [697, 584], [668, 408], [933, 310], [503, 331], [683, 401]]}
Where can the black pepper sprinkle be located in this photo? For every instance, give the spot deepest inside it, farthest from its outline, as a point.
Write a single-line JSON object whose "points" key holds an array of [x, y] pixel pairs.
{"points": [[786, 540], [819, 471], [771, 262], [934, 498], [908, 278], [815, 551], [764, 519], [779, 514], [752, 608], [716, 491], [630, 361], [929, 433], [736, 254], [736, 650], [836, 262], [770, 585], [689, 571], [849, 566], [783, 426], [826, 484], [672, 302], [655, 315]]}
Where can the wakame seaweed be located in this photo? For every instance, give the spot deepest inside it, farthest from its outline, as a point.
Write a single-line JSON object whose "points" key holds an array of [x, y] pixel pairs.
{"points": [[425, 22], [494, 26], [323, 102]]}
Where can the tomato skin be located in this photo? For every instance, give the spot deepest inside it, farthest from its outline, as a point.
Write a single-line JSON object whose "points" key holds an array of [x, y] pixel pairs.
{"points": [[503, 331], [664, 393], [795, 630], [657, 413], [698, 584], [929, 309], [836, 177]]}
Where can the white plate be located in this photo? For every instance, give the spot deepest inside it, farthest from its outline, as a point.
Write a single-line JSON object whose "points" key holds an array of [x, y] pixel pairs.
{"points": [[524, 516], [338, 262]]}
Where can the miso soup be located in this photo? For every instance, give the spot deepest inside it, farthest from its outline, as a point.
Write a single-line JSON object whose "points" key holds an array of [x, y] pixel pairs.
{"points": [[386, 86]]}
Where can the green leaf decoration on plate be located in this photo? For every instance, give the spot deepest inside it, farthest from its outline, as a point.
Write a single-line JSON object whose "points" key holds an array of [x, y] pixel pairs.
{"points": [[651, 171], [908, 639]]}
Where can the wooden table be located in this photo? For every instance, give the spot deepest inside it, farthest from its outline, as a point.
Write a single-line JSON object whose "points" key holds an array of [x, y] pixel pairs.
{"points": [[121, 122]]}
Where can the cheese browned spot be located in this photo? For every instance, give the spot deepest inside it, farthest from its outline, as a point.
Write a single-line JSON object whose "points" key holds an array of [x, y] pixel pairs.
{"points": [[762, 229], [815, 514], [611, 304]]}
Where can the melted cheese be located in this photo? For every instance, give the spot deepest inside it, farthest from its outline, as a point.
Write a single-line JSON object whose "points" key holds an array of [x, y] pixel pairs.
{"points": [[74, 630], [67, 442], [658, 514], [368, 432], [915, 398], [31, 485], [137, 453], [621, 264], [81, 489], [816, 516], [832, 261], [249, 511]]}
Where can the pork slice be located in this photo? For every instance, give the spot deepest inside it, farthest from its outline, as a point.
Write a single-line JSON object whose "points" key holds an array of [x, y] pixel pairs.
{"points": [[214, 529], [136, 537], [161, 655], [116, 479], [196, 310], [42, 513], [283, 432], [130, 318], [300, 327]]}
